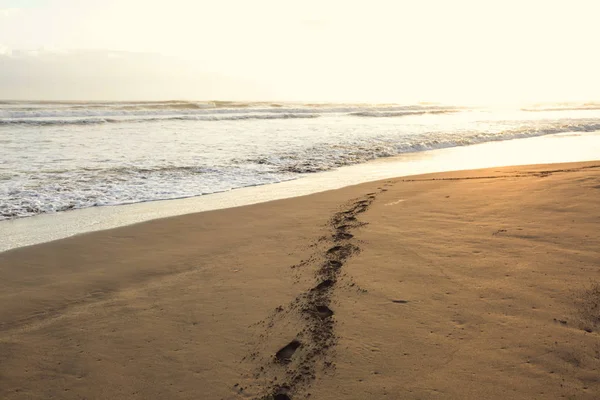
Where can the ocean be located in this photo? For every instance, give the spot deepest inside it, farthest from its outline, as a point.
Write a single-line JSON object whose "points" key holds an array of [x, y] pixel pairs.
{"points": [[60, 156]]}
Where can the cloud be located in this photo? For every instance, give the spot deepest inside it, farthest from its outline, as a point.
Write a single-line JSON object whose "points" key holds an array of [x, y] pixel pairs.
{"points": [[112, 75], [42, 51]]}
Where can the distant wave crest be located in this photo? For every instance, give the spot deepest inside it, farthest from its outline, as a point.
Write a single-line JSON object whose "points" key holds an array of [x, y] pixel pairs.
{"points": [[388, 114], [93, 121], [563, 107], [46, 113]]}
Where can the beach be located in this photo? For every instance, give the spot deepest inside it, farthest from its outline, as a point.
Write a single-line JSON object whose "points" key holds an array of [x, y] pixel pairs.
{"points": [[457, 285]]}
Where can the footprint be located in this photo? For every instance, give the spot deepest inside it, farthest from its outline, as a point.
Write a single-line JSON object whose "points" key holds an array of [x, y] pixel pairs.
{"points": [[360, 209], [284, 355], [324, 312], [334, 249], [335, 264], [327, 283], [343, 227], [343, 236], [342, 252]]}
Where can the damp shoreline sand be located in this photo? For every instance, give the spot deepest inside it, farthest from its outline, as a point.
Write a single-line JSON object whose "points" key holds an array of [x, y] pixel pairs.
{"points": [[462, 285]]}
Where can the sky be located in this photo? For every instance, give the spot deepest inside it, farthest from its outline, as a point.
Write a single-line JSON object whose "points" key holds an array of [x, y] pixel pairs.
{"points": [[458, 51]]}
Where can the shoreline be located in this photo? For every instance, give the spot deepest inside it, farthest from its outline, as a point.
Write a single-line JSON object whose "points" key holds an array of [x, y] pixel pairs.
{"points": [[556, 148], [401, 287]]}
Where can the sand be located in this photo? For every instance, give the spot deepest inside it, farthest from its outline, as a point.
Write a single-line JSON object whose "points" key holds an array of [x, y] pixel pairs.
{"points": [[463, 285]]}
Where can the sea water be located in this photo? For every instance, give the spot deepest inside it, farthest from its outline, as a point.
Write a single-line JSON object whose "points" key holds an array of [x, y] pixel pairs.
{"points": [[61, 156]]}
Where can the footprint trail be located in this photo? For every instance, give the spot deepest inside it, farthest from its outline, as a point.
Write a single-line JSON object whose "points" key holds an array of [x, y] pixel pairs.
{"points": [[290, 372]]}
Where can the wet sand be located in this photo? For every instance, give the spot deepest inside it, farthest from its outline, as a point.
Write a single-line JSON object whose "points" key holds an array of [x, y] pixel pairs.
{"points": [[462, 285]]}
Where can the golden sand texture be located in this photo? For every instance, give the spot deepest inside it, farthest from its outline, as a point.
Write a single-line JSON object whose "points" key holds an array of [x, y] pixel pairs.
{"points": [[464, 285]]}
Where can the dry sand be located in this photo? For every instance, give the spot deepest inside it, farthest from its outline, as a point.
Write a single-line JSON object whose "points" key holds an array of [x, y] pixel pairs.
{"points": [[464, 285]]}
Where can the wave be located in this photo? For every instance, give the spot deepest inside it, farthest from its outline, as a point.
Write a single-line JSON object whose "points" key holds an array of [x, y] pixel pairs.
{"points": [[319, 159], [383, 114], [566, 106], [95, 121], [101, 113], [582, 108], [42, 122], [137, 109], [132, 111]]}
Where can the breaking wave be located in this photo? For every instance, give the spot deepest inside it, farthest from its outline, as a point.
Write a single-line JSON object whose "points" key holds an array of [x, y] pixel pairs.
{"points": [[93, 121], [321, 158]]}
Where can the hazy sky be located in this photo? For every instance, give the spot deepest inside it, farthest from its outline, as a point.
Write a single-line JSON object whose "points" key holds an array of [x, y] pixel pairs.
{"points": [[323, 50]]}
